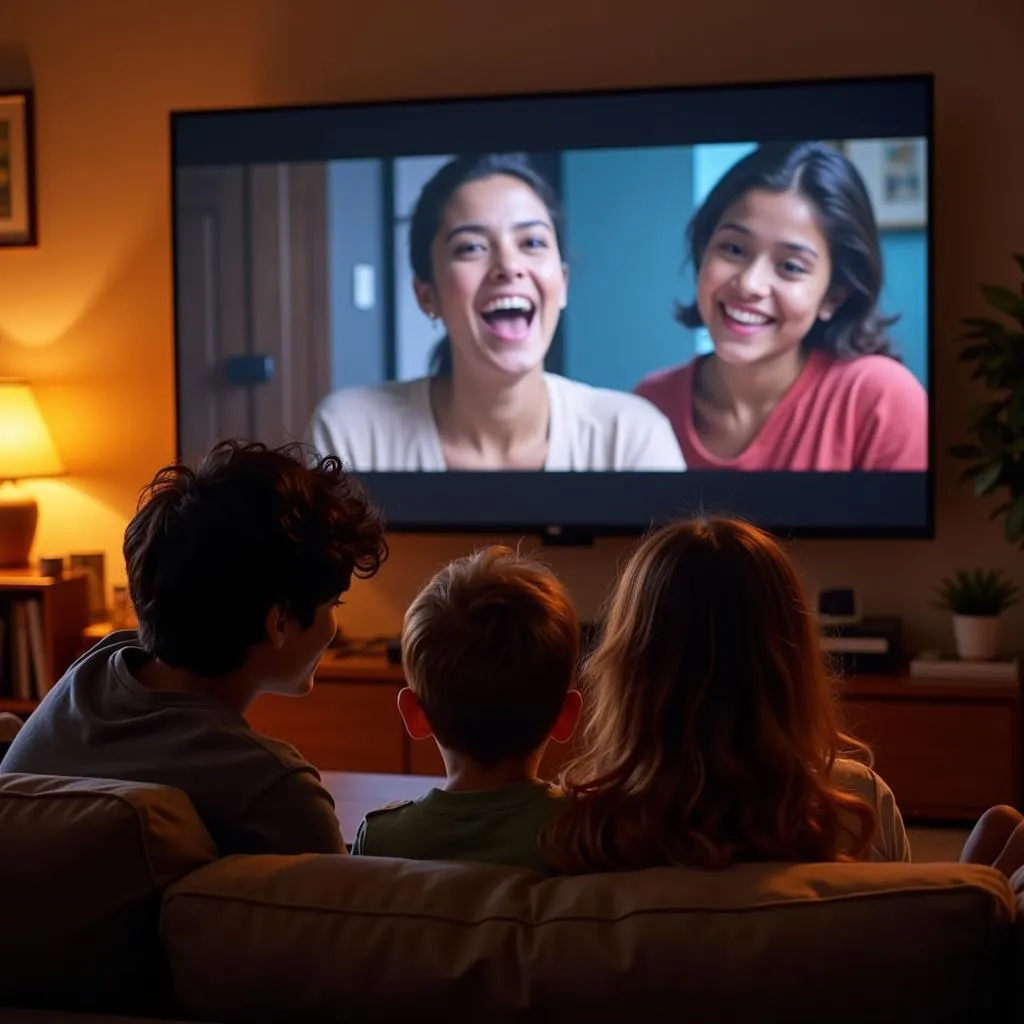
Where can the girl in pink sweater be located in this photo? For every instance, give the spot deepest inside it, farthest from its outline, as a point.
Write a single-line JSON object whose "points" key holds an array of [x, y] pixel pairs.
{"points": [[802, 377]]}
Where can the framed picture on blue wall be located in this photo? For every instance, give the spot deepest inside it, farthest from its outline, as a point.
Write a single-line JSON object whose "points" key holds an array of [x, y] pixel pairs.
{"points": [[895, 172]]}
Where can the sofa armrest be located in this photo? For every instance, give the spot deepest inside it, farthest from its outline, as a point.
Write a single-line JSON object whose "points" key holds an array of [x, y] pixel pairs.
{"points": [[84, 863]]}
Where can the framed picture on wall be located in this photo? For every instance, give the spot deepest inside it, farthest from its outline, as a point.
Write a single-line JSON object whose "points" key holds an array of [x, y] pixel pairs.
{"points": [[17, 170], [895, 172]]}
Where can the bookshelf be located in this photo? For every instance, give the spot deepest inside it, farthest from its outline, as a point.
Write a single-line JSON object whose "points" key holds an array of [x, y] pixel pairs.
{"points": [[42, 619]]}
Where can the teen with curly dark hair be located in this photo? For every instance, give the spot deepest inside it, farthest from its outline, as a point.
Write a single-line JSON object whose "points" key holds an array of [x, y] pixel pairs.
{"points": [[235, 568]]}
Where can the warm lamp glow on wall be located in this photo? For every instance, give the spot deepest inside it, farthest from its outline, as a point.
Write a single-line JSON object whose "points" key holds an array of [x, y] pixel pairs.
{"points": [[26, 452]]}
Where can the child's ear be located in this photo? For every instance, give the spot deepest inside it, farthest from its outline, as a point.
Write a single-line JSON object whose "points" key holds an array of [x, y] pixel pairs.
{"points": [[275, 625], [568, 717], [415, 721]]}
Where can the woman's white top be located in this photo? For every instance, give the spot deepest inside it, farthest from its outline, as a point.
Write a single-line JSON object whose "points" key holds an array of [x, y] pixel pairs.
{"points": [[890, 842], [391, 429]]}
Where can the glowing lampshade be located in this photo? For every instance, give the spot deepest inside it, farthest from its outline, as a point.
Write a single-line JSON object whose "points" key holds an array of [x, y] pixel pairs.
{"points": [[26, 447], [26, 451]]}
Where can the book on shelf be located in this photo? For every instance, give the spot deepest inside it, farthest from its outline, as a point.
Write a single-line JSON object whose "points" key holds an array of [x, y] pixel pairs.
{"points": [[940, 665], [24, 673]]}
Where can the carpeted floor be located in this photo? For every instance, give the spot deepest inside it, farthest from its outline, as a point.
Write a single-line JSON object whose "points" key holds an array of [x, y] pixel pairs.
{"points": [[936, 844]]}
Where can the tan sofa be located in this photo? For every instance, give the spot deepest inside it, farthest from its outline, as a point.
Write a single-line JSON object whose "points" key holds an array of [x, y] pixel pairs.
{"points": [[113, 901]]}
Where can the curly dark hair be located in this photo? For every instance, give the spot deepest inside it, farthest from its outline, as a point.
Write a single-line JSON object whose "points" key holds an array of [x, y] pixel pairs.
{"points": [[827, 179], [211, 550]]}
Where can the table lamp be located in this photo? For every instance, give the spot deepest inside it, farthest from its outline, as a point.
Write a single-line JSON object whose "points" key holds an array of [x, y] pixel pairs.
{"points": [[27, 451]]}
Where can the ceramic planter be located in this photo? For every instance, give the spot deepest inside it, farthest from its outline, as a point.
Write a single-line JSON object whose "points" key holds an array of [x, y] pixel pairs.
{"points": [[977, 636]]}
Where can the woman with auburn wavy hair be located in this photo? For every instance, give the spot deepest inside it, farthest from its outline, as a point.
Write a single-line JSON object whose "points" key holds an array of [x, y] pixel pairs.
{"points": [[713, 735]]}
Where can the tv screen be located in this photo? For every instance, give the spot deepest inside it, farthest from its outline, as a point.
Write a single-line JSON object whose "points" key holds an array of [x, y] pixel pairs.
{"points": [[573, 314]]}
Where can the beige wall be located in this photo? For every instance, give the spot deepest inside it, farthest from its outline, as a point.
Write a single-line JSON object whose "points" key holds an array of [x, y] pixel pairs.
{"points": [[87, 315]]}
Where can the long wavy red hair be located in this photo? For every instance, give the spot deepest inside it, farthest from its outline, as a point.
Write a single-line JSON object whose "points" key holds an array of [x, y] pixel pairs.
{"points": [[712, 727]]}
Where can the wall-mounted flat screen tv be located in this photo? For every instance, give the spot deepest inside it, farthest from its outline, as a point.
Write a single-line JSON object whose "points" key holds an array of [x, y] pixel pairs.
{"points": [[573, 314]]}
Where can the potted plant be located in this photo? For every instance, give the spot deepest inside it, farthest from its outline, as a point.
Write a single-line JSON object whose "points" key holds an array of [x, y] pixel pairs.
{"points": [[976, 599], [995, 348]]}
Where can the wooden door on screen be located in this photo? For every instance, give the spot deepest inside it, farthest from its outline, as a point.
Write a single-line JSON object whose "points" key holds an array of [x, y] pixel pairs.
{"points": [[251, 291]]}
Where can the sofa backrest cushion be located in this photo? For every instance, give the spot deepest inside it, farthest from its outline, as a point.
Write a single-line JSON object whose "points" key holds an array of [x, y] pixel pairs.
{"points": [[329, 938], [83, 863]]}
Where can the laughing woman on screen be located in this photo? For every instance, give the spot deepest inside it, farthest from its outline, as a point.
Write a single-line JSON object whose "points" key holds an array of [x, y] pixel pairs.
{"points": [[802, 376], [486, 256]]}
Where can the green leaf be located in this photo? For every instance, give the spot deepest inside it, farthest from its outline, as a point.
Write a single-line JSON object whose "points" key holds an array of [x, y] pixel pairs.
{"points": [[1003, 299], [1014, 526], [984, 411], [985, 325], [965, 451], [1016, 410], [990, 437], [986, 351], [991, 334], [976, 592], [988, 478]]}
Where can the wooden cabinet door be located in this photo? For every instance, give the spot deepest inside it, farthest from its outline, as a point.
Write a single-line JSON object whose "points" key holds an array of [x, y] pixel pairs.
{"points": [[290, 302], [948, 761], [210, 299], [251, 281]]}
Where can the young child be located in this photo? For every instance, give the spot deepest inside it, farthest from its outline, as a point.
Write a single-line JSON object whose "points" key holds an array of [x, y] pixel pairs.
{"points": [[490, 649], [713, 735], [234, 569], [802, 378]]}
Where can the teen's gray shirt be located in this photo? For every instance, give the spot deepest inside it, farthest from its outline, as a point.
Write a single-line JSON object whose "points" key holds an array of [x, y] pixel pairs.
{"points": [[254, 794]]}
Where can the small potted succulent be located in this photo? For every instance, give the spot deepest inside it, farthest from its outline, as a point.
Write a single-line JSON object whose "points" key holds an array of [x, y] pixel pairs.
{"points": [[976, 598]]}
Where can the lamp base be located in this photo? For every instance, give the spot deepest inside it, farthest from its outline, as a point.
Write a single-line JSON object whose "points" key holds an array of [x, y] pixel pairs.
{"points": [[19, 514]]}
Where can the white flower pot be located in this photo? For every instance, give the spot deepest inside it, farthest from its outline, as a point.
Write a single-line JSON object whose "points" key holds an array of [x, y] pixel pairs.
{"points": [[977, 636]]}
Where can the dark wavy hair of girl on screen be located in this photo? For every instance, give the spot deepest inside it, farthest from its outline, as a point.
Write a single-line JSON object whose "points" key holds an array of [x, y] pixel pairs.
{"points": [[439, 192], [829, 181]]}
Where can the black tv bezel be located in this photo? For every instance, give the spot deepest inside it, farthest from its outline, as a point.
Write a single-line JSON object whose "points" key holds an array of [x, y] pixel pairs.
{"points": [[568, 533]]}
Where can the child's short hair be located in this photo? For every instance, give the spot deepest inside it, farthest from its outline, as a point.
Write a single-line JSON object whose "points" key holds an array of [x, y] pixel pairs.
{"points": [[490, 647], [212, 549]]}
